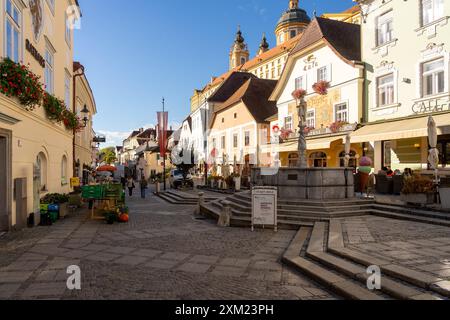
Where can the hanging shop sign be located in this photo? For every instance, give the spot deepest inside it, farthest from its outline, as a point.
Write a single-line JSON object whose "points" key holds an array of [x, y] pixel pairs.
{"points": [[431, 106], [36, 55]]}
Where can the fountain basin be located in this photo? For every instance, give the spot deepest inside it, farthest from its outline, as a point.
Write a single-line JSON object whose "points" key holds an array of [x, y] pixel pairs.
{"points": [[307, 183]]}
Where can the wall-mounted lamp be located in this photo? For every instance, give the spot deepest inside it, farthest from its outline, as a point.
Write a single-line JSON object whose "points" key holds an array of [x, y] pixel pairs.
{"points": [[85, 111], [417, 146]]}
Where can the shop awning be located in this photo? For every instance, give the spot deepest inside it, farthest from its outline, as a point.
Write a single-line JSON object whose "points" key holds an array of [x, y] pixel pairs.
{"points": [[402, 129], [312, 144]]}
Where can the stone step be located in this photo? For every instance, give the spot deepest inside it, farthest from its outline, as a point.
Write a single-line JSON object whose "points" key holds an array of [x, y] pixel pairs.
{"points": [[413, 211], [186, 196], [174, 199], [325, 204], [325, 209], [415, 278], [410, 217]]}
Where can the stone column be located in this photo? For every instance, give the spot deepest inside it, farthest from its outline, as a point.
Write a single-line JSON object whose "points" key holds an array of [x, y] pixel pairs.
{"points": [[225, 215], [302, 146]]}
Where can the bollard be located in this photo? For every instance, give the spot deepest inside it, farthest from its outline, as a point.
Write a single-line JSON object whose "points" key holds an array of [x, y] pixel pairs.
{"points": [[201, 201], [225, 215]]}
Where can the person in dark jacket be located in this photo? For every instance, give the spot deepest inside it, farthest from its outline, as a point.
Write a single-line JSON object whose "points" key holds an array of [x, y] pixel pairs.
{"points": [[144, 186]]}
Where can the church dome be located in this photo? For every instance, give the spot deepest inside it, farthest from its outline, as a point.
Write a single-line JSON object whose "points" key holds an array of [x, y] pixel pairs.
{"points": [[294, 15]]}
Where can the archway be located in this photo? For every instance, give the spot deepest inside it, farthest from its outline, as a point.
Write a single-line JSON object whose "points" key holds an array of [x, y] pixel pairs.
{"points": [[293, 160], [318, 160], [352, 162]]}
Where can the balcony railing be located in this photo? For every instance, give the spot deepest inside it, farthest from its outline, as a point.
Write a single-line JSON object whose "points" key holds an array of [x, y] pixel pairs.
{"points": [[322, 131]]}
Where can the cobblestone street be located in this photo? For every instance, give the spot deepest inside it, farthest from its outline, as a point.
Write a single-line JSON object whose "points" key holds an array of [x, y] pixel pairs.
{"points": [[163, 253]]}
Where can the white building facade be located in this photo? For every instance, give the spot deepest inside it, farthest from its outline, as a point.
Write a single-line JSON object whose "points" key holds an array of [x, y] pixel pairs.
{"points": [[406, 48]]}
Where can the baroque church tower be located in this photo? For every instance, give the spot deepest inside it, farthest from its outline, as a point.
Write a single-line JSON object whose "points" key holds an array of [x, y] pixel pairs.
{"points": [[293, 22], [239, 53]]}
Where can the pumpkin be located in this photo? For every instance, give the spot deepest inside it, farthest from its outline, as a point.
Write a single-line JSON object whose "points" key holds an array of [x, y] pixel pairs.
{"points": [[124, 218]]}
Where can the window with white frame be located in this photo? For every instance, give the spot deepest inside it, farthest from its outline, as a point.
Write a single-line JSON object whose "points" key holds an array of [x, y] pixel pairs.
{"points": [[288, 123], [235, 141], [311, 118], [223, 143], [67, 90], [322, 74], [341, 112], [432, 10], [300, 83], [386, 90], [13, 31], [433, 77], [49, 75], [247, 138], [385, 28], [68, 33]]}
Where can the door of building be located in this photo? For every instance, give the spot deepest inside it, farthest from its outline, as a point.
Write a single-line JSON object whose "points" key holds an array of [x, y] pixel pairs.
{"points": [[444, 151], [5, 180]]}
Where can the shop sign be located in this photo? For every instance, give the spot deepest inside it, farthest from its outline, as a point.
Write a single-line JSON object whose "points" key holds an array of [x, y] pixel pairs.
{"points": [[36, 55], [75, 182], [430, 106], [264, 206]]}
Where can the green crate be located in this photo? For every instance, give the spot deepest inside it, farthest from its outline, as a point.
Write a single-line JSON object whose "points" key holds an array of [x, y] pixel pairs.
{"points": [[113, 191], [92, 192]]}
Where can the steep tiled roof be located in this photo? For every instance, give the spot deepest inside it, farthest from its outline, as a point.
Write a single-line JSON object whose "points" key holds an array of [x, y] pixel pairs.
{"points": [[254, 94], [343, 37], [229, 86]]}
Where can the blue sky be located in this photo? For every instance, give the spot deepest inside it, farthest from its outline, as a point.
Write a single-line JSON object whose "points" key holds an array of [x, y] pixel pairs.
{"points": [[135, 52]]}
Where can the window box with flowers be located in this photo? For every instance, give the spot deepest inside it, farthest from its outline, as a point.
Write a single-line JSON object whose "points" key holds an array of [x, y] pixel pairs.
{"points": [[18, 81], [321, 87], [338, 126]]}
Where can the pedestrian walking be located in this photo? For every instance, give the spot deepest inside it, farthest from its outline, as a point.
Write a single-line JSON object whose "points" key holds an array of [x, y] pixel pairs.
{"points": [[144, 186], [123, 181], [130, 186]]}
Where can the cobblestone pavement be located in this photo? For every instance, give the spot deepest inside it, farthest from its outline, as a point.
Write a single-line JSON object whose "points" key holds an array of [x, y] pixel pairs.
{"points": [[163, 253], [419, 246]]}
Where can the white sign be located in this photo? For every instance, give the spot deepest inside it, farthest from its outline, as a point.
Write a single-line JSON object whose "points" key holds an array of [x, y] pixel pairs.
{"points": [[264, 207]]}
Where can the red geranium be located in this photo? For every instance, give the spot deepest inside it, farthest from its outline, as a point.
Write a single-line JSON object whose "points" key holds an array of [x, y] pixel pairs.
{"points": [[321, 87], [299, 94]]}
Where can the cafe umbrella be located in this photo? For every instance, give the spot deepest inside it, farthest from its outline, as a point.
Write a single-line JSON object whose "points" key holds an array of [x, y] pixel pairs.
{"points": [[106, 168], [433, 158]]}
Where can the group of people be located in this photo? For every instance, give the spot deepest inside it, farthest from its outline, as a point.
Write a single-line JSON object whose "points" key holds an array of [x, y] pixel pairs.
{"points": [[386, 171], [129, 184]]}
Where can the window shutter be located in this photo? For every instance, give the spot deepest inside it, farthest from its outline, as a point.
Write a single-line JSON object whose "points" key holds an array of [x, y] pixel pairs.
{"points": [[330, 72]]}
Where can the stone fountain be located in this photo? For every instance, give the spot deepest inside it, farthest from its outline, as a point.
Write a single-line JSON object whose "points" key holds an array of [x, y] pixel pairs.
{"points": [[305, 183]]}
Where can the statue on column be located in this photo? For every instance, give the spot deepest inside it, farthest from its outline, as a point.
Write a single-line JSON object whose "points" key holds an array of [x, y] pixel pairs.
{"points": [[299, 96]]}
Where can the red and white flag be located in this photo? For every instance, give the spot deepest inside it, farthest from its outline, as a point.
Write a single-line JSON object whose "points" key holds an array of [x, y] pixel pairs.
{"points": [[163, 121]]}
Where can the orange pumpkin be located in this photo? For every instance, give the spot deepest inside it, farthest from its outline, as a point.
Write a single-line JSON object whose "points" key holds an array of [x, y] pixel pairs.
{"points": [[124, 218]]}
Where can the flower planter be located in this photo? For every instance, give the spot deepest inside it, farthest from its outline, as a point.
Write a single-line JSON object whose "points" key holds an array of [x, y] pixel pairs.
{"points": [[418, 198], [237, 184], [444, 193]]}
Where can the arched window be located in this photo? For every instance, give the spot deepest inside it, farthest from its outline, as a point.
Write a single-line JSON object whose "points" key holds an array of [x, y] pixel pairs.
{"points": [[243, 60], [41, 164], [64, 170], [293, 160], [352, 163], [318, 160]]}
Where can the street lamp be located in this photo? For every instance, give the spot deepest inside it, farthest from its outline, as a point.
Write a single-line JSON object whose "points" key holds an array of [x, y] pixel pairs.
{"points": [[85, 111]]}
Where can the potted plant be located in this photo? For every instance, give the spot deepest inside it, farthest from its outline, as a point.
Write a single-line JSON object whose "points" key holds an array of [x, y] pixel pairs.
{"points": [[336, 126], [111, 217], [59, 200], [444, 192], [229, 181], [418, 190]]}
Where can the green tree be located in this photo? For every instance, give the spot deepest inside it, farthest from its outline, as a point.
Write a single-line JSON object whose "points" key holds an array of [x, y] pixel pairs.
{"points": [[108, 155]]}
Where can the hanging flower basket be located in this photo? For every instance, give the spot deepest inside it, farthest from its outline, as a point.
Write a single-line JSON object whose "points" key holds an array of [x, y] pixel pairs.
{"points": [[285, 134], [308, 130], [299, 94], [321, 87], [53, 107]]}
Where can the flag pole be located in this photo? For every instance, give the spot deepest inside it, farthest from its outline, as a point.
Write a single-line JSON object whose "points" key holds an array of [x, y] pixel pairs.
{"points": [[164, 156]]}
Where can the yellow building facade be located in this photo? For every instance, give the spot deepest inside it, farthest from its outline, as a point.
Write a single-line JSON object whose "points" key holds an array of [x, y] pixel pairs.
{"points": [[35, 153], [85, 101]]}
